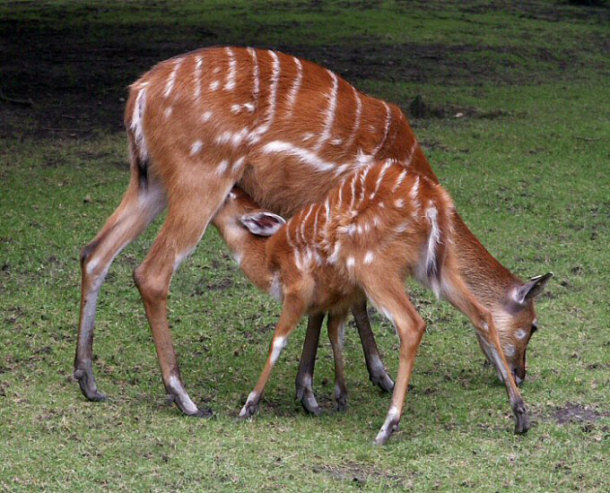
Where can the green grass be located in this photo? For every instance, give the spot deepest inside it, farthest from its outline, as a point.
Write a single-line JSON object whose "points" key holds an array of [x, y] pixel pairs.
{"points": [[528, 166]]}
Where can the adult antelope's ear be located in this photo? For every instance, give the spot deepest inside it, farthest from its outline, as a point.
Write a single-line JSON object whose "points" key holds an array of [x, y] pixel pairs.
{"points": [[532, 288], [262, 223]]}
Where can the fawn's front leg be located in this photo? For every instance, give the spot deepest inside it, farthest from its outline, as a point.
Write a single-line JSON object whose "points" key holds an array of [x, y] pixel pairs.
{"points": [[292, 312]]}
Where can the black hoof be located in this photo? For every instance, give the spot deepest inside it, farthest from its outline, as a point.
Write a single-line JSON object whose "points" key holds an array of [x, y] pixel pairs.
{"points": [[86, 382], [206, 413], [522, 421], [384, 382]]}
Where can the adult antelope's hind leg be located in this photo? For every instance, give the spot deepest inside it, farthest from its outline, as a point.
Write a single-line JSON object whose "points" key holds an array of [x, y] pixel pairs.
{"points": [[140, 205], [389, 296], [292, 312], [191, 207], [457, 294], [304, 380], [377, 372]]}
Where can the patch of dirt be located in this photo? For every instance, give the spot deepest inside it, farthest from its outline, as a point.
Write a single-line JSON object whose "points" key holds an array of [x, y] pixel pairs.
{"points": [[72, 79], [577, 413]]}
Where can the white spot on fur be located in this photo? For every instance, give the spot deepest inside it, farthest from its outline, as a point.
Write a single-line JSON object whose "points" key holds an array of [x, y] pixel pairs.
{"points": [[214, 85], [350, 262], [399, 203], [521, 334], [168, 112], [249, 107], [368, 258], [206, 116], [336, 142], [235, 109], [222, 167], [307, 136], [196, 147]]}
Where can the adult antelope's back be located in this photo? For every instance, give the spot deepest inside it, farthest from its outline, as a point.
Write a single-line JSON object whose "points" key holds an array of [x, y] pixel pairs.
{"points": [[287, 131]]}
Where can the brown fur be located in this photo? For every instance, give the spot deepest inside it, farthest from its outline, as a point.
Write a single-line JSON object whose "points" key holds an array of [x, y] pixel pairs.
{"points": [[201, 122]]}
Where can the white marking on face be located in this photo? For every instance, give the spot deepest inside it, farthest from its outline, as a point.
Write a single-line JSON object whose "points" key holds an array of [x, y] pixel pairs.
{"points": [[304, 155], [169, 87], [521, 334], [330, 112], [509, 351], [388, 119], [368, 258], [196, 147], [206, 116], [214, 85], [357, 118], [230, 81], [294, 89]]}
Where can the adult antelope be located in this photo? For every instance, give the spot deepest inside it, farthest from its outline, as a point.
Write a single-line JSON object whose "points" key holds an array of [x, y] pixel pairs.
{"points": [[287, 131]]}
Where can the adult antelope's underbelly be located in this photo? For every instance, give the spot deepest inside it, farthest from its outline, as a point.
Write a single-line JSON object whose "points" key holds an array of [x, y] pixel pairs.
{"points": [[286, 184]]}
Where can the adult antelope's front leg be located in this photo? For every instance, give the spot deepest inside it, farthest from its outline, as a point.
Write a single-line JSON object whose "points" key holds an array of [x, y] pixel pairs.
{"points": [[190, 209]]}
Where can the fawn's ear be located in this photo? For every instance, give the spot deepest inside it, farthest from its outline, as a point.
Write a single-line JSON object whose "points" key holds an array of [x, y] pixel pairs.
{"points": [[262, 223], [532, 288]]}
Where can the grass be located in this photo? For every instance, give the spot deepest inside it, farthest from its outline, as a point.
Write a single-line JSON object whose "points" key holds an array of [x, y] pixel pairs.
{"points": [[527, 164]]}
